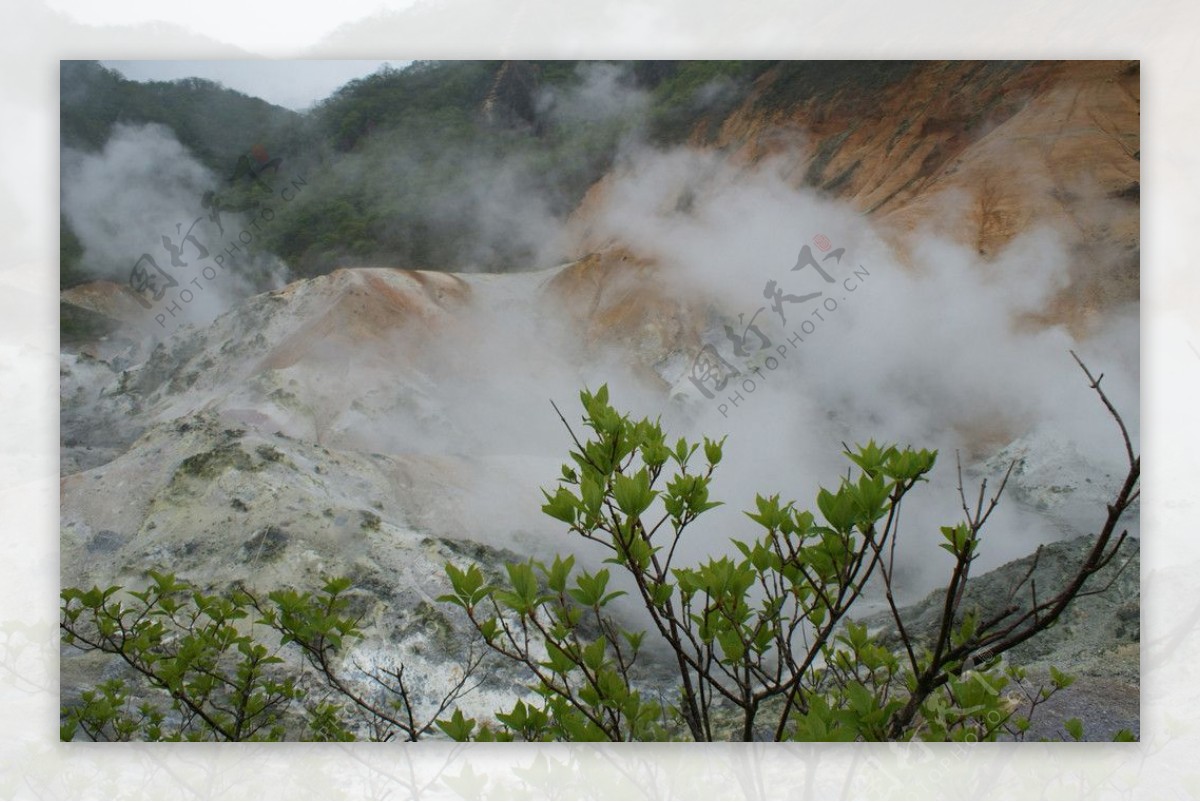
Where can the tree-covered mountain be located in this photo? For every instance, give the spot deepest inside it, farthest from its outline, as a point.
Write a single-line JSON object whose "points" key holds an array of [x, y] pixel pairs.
{"points": [[442, 165], [385, 155], [475, 165], [215, 123]]}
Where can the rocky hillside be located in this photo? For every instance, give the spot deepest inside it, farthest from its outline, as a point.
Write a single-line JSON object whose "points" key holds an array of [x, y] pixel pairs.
{"points": [[975, 152], [378, 421], [323, 430], [1096, 640]]}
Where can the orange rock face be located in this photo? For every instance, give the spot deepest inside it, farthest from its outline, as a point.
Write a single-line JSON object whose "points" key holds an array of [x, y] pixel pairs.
{"points": [[362, 306], [614, 298], [974, 152]]}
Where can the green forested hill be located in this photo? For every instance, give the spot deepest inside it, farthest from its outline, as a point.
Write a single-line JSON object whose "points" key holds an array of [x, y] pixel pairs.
{"points": [[440, 165], [216, 124], [453, 165]]}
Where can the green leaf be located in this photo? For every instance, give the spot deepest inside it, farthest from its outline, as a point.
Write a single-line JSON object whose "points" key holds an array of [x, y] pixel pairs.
{"points": [[632, 493], [524, 596], [660, 593], [683, 451], [713, 450], [337, 585], [559, 661], [1059, 679], [593, 496], [769, 514], [517, 718], [1074, 728], [593, 654], [838, 508], [467, 584], [562, 506], [457, 726], [731, 645], [589, 588], [556, 577]]}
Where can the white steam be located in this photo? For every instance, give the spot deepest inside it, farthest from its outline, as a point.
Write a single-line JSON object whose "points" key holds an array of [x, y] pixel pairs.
{"points": [[934, 355], [142, 187], [605, 92], [936, 352]]}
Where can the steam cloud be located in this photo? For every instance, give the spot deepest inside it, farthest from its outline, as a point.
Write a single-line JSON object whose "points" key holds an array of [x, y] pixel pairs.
{"points": [[145, 185], [936, 352]]}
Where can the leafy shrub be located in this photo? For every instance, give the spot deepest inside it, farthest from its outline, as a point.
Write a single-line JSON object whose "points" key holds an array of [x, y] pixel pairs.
{"points": [[224, 667], [761, 645]]}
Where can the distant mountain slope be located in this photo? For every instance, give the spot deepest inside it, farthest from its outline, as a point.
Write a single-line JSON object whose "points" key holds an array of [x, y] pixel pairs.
{"points": [[471, 165], [215, 123]]}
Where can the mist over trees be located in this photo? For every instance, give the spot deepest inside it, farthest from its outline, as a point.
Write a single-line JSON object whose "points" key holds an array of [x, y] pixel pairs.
{"points": [[463, 165], [638, 207]]}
